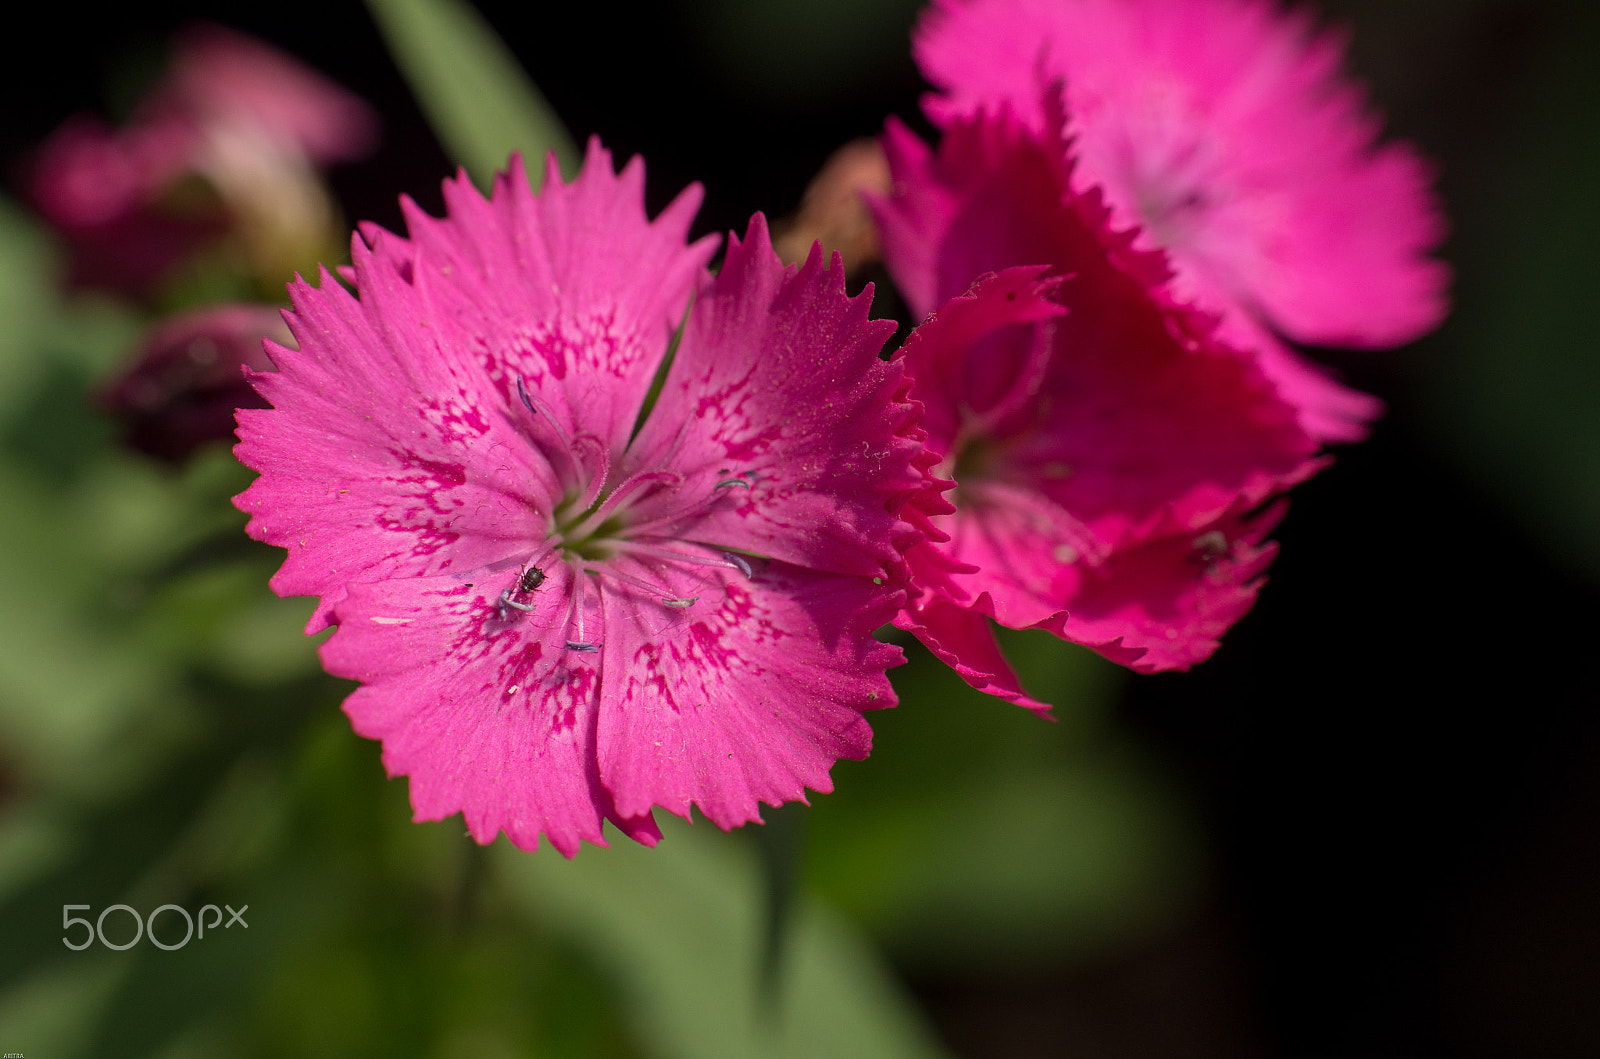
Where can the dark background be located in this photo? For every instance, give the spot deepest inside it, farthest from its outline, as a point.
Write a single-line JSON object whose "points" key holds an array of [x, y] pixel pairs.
{"points": [[1394, 757]]}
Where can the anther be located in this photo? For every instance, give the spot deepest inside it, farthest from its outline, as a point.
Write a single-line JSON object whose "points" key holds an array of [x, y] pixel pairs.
{"points": [[575, 645], [741, 563], [680, 604], [506, 601], [730, 481]]}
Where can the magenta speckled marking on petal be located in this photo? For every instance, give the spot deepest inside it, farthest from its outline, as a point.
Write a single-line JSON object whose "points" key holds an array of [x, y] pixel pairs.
{"points": [[749, 698], [556, 624], [829, 473], [488, 717]]}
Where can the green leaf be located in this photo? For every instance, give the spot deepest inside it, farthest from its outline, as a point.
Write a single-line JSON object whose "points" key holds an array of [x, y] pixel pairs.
{"points": [[1512, 380], [480, 102], [27, 303], [681, 927], [54, 1011], [981, 839]]}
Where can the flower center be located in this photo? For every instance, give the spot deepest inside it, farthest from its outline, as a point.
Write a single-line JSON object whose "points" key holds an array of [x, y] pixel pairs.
{"points": [[633, 536], [1020, 356], [977, 458]]}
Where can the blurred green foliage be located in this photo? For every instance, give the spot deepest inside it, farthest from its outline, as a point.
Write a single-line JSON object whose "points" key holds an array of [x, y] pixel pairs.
{"points": [[792, 54], [980, 838], [1514, 396], [477, 98], [1504, 100]]}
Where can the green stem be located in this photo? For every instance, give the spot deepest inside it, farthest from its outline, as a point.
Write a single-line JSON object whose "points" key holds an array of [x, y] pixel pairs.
{"points": [[781, 843]]}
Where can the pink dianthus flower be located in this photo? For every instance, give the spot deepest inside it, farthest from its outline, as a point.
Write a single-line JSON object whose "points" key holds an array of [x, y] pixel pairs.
{"points": [[560, 614], [231, 114], [1225, 133], [1114, 463], [220, 77], [185, 383]]}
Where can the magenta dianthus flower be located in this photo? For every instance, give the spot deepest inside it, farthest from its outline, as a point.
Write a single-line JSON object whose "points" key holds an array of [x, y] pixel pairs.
{"points": [[220, 77], [560, 614], [230, 111], [185, 383], [1224, 132], [1114, 463]]}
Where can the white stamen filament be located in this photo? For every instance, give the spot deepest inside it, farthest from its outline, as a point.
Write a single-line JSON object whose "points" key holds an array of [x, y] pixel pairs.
{"points": [[665, 597], [718, 492], [599, 475], [728, 559], [569, 469], [627, 489], [575, 611]]}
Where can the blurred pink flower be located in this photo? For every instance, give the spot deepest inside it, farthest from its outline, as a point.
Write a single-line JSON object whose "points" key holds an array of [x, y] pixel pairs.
{"points": [[88, 173], [221, 76], [1111, 457], [1225, 133], [103, 189], [188, 378], [230, 113], [561, 616]]}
